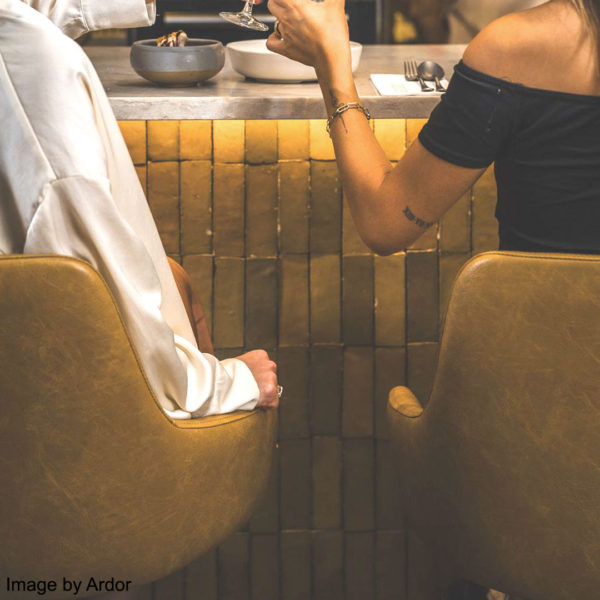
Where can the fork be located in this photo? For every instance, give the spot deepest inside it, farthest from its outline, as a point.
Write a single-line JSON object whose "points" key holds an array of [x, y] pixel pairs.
{"points": [[411, 74]]}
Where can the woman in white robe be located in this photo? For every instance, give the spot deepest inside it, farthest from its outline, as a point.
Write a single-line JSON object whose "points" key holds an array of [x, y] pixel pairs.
{"points": [[68, 187]]}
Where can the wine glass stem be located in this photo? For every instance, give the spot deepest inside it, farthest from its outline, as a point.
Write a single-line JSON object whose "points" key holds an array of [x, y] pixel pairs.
{"points": [[247, 10]]}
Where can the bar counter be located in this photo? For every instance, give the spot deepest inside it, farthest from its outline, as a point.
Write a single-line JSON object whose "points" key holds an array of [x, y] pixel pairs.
{"points": [[230, 96]]}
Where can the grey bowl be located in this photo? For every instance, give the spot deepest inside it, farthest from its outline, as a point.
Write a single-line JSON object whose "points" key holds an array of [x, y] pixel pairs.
{"points": [[182, 66]]}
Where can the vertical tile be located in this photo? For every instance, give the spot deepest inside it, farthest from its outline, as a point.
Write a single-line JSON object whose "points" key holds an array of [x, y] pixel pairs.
{"points": [[261, 141], [357, 407], [234, 572], [485, 226], [450, 265], [261, 302], [293, 303], [201, 578], [325, 208], [261, 210], [321, 146], [134, 134], [229, 303], [358, 301], [224, 353], [228, 209], [413, 128], [388, 509], [195, 140], [351, 240], [163, 198], [326, 483], [196, 206], [360, 556], [328, 565], [390, 560], [294, 195], [455, 227], [428, 241], [294, 411], [295, 565], [422, 363], [390, 300], [390, 371], [228, 141], [391, 135], [326, 389], [142, 173], [163, 140], [422, 296], [325, 298], [200, 269], [293, 139], [264, 560], [359, 481], [171, 587], [295, 481], [266, 517]]}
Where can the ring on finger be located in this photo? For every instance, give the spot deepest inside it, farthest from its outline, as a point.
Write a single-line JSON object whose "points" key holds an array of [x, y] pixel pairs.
{"points": [[277, 30], [279, 391]]}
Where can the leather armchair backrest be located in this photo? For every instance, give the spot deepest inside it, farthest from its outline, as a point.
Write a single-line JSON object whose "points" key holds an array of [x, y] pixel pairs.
{"points": [[503, 467], [95, 479]]}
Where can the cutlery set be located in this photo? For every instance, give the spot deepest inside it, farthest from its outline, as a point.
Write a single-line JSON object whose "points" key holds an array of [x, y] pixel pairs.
{"points": [[426, 71]]}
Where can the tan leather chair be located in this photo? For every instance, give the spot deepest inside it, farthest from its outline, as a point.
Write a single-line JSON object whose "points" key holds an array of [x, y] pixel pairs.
{"points": [[95, 480], [501, 471]]}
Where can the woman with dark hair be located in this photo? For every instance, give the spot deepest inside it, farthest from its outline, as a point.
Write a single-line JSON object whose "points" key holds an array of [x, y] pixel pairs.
{"points": [[526, 96]]}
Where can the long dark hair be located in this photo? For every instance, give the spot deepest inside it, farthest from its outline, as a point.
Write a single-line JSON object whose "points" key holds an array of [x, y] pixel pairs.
{"points": [[590, 13]]}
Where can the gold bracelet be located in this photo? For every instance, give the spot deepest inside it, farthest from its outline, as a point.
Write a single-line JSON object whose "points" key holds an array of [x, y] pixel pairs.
{"points": [[342, 108]]}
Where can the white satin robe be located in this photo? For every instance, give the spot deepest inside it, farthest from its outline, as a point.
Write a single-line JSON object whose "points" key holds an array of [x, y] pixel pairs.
{"points": [[68, 186]]}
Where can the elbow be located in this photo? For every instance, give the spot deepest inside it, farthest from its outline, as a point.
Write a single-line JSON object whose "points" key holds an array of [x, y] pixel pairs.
{"points": [[381, 250], [385, 246]]}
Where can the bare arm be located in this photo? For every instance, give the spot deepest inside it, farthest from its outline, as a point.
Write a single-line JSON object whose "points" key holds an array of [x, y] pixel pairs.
{"points": [[391, 206]]}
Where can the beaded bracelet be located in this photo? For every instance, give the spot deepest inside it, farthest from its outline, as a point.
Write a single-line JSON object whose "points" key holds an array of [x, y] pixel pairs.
{"points": [[342, 108]]}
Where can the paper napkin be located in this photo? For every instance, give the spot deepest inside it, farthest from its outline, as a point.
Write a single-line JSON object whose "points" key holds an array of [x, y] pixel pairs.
{"points": [[396, 85]]}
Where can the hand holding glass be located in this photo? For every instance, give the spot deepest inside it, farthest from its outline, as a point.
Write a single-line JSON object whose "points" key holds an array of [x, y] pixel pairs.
{"points": [[244, 18]]}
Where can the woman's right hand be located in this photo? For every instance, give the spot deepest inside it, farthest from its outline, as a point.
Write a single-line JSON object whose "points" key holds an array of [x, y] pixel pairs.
{"points": [[264, 371]]}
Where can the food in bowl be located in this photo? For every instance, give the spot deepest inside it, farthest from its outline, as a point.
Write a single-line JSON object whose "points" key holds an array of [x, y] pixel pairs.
{"points": [[178, 66], [174, 39]]}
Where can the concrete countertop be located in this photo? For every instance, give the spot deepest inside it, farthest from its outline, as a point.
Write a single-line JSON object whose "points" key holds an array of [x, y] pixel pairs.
{"points": [[231, 96]]}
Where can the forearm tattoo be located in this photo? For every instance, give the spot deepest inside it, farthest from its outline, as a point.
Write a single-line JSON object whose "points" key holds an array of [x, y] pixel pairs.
{"points": [[336, 103], [418, 222]]}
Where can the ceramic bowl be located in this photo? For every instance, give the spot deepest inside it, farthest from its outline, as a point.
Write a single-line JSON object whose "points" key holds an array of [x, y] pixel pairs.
{"points": [[253, 59], [183, 66]]}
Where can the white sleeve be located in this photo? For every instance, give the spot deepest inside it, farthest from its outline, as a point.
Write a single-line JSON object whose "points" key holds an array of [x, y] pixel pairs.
{"points": [[76, 17], [78, 217]]}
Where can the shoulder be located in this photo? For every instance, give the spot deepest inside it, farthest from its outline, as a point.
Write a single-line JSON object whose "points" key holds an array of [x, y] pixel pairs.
{"points": [[519, 46], [47, 77], [501, 44], [28, 36]]}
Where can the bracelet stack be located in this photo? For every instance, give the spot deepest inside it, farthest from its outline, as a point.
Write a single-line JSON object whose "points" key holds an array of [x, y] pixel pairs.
{"points": [[342, 108]]}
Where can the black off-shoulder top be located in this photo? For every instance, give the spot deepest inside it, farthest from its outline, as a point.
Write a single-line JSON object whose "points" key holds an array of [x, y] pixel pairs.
{"points": [[546, 149]]}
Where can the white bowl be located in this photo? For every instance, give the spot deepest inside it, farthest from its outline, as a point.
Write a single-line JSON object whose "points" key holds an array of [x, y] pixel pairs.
{"points": [[253, 59]]}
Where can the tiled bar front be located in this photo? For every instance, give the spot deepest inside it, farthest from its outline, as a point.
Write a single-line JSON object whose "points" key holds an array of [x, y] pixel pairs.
{"points": [[254, 211]]}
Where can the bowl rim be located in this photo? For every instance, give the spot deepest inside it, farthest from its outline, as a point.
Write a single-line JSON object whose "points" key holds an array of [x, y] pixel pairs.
{"points": [[243, 43], [150, 44]]}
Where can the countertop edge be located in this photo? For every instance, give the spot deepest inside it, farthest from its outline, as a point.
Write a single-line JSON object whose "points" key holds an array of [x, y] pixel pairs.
{"points": [[230, 96]]}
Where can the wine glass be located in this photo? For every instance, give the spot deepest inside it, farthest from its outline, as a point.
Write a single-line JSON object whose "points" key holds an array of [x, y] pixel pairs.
{"points": [[244, 18]]}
